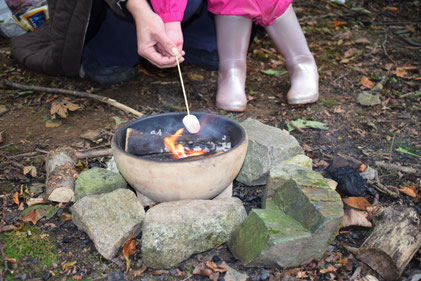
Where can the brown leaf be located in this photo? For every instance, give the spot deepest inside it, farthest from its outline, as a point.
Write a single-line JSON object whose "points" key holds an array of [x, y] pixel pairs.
{"points": [[349, 53], [52, 123], [338, 23], [15, 198], [329, 269], [391, 9], [353, 217], [201, 269], [159, 272], [11, 260], [362, 168], [195, 77], [5, 228], [33, 216], [359, 203], [58, 108], [65, 217], [367, 83], [215, 267], [77, 277], [30, 170], [129, 248], [363, 40], [400, 72], [139, 272], [410, 191], [410, 28]]}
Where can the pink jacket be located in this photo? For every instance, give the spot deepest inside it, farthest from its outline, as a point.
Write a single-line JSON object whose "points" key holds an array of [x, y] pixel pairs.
{"points": [[262, 12]]}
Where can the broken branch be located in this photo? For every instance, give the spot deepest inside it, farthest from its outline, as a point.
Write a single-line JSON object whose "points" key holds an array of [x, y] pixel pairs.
{"points": [[408, 170], [75, 93]]}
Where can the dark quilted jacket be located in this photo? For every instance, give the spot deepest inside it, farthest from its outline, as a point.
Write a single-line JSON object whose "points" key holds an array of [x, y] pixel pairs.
{"points": [[56, 47]]}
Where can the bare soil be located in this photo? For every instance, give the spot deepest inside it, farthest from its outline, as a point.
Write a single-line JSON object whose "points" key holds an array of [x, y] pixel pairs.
{"points": [[379, 40]]}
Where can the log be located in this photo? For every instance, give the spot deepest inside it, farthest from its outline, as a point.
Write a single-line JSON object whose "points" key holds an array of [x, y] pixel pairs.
{"points": [[143, 144], [395, 238], [61, 175]]}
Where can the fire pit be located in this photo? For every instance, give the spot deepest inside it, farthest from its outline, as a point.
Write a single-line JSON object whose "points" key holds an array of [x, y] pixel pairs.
{"points": [[164, 175]]}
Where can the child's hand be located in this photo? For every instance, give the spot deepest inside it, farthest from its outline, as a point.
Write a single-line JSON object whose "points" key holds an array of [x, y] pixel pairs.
{"points": [[174, 32]]}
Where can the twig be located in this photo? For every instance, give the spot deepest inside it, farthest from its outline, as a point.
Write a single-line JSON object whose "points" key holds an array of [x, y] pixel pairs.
{"points": [[381, 188], [408, 170], [75, 93], [384, 47], [3, 213], [391, 146], [296, 127], [94, 153], [407, 95], [23, 155]]}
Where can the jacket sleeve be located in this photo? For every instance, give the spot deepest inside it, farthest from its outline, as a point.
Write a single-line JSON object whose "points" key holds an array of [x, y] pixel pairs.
{"points": [[169, 10]]}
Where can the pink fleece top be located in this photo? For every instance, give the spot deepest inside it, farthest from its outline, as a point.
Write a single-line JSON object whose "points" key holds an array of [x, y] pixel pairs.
{"points": [[262, 12]]}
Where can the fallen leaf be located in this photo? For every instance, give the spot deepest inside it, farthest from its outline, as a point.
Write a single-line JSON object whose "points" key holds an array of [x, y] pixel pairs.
{"points": [[65, 267], [11, 260], [392, 9], [275, 73], [410, 28], [33, 216], [363, 40], [353, 217], [400, 72], [47, 211], [329, 269], [410, 191], [349, 53], [159, 272], [66, 217], [215, 267], [5, 228], [15, 198], [139, 272], [366, 82], [362, 168], [61, 108], [42, 236], [2, 136], [359, 203], [77, 277], [31, 170], [195, 77], [300, 123], [338, 23], [129, 248], [52, 123]]}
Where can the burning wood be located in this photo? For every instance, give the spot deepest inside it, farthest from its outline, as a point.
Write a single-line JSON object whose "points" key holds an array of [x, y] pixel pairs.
{"points": [[176, 146]]}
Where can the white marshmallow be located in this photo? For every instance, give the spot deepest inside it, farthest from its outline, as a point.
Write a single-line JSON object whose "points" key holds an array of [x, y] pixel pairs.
{"points": [[191, 123]]}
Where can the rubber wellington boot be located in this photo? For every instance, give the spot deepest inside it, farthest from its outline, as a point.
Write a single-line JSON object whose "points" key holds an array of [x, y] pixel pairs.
{"points": [[233, 38], [289, 38]]}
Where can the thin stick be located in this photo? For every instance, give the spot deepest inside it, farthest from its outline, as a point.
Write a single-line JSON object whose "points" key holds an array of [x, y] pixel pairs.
{"points": [[389, 166], [182, 86], [75, 93]]}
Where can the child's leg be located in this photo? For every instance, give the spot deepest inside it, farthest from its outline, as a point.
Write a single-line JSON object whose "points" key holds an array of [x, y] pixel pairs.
{"points": [[233, 37], [289, 39]]}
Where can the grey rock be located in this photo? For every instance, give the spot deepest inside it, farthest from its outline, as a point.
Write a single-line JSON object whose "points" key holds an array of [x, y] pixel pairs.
{"points": [[234, 275], [97, 181], [369, 174], [267, 146], [112, 166], [368, 99], [302, 216], [173, 231], [109, 219], [300, 160]]}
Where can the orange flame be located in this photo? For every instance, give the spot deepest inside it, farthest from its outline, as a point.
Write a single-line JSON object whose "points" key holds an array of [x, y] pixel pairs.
{"points": [[177, 150]]}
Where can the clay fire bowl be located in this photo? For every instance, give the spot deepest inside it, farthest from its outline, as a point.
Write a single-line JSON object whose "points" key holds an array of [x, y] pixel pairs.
{"points": [[170, 180]]}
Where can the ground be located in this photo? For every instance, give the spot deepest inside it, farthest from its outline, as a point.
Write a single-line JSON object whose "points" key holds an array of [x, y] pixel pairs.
{"points": [[359, 46]]}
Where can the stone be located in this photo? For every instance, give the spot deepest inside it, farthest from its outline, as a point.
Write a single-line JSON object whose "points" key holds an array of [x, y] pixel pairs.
{"points": [[300, 160], [234, 275], [173, 231], [301, 216], [368, 99], [266, 234], [267, 146], [97, 181], [109, 219]]}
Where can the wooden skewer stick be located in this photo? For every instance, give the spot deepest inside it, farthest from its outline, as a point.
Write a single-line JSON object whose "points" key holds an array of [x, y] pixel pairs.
{"points": [[182, 86]]}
